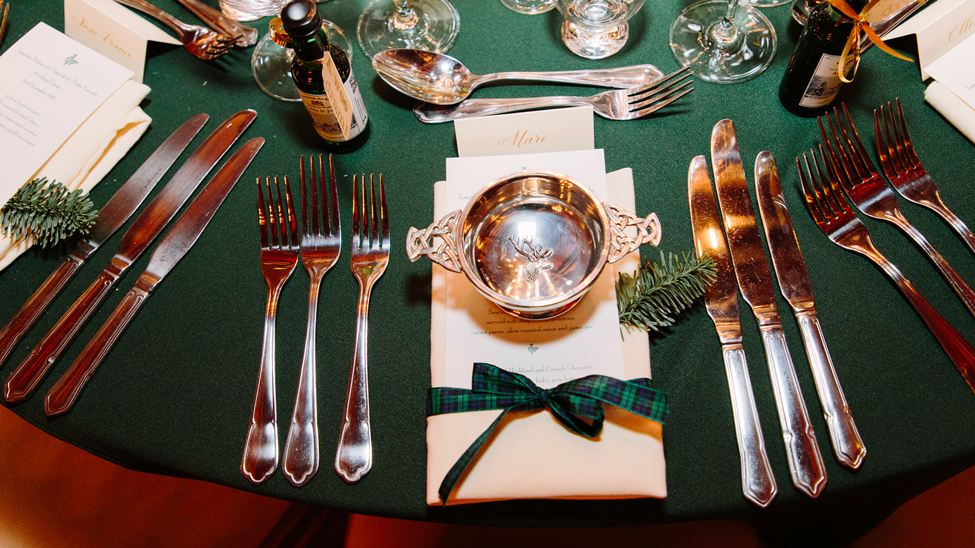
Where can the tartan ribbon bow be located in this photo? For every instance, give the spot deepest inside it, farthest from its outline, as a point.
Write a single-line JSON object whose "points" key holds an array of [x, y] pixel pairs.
{"points": [[571, 402], [852, 46]]}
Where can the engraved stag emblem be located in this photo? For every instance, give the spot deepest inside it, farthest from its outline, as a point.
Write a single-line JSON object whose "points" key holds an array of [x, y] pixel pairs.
{"points": [[536, 255]]}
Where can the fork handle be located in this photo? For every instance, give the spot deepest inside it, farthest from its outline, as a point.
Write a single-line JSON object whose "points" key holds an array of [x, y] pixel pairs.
{"points": [[959, 351], [618, 77], [353, 459], [843, 432], [961, 288], [960, 227], [35, 366], [15, 329], [247, 35], [805, 461], [301, 456], [433, 114], [261, 448]]}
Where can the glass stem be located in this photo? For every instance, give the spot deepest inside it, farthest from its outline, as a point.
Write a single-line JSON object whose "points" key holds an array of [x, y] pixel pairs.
{"points": [[404, 18], [725, 33]]}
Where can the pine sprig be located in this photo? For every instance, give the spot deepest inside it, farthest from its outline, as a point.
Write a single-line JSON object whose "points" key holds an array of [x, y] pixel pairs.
{"points": [[650, 299], [47, 212]]}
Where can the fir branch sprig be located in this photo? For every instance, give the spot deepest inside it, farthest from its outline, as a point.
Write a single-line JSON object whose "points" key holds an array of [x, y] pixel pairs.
{"points": [[650, 299], [47, 212]]}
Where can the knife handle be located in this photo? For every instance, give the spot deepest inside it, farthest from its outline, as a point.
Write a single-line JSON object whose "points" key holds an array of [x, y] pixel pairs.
{"points": [[757, 481], [65, 392], [843, 432], [805, 461], [29, 373], [15, 329]]}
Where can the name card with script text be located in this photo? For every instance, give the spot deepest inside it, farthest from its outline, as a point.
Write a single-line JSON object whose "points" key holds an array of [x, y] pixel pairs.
{"points": [[553, 130], [939, 28], [113, 31]]}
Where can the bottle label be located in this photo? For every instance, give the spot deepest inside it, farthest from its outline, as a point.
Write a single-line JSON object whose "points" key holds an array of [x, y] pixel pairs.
{"points": [[325, 118], [824, 83]]}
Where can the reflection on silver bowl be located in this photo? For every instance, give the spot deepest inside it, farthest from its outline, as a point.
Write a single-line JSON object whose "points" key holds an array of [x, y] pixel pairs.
{"points": [[533, 242]]}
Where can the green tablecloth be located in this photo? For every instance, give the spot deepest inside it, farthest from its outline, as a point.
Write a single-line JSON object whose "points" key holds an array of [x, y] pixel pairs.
{"points": [[175, 393]]}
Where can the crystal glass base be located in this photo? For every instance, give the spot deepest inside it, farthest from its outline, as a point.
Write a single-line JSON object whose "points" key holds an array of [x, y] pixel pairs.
{"points": [[530, 7], [430, 25], [271, 63], [250, 10], [765, 3], [702, 40], [594, 44]]}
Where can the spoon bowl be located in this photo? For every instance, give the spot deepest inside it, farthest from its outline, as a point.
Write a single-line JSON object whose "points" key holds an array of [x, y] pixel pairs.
{"points": [[443, 80]]}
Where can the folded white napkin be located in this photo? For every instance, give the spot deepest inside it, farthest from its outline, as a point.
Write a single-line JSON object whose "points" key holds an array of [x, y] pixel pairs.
{"points": [[91, 151], [952, 107], [531, 454]]}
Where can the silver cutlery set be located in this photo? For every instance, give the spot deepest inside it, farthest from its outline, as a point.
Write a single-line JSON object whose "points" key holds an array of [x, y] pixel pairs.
{"points": [[318, 247], [148, 225], [443, 84], [221, 34]]}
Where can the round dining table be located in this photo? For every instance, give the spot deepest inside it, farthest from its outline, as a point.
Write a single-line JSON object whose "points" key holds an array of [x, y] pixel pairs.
{"points": [[174, 394]]}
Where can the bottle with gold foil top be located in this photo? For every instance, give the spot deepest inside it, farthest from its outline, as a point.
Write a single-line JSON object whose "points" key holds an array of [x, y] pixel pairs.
{"points": [[812, 81], [300, 28]]}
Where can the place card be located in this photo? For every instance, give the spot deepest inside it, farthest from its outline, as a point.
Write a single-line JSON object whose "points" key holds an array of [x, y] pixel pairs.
{"points": [[552, 130], [956, 70], [939, 27], [584, 341], [50, 85], [113, 31]]}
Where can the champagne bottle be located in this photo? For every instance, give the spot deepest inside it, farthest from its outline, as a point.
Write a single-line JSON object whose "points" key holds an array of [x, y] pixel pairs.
{"points": [[302, 25], [811, 81]]}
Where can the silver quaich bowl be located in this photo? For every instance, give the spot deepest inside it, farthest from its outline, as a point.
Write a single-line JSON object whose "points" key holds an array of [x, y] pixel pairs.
{"points": [[533, 242]]}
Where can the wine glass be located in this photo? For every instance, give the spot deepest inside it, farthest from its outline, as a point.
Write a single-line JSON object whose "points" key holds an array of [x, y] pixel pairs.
{"points": [[430, 25], [765, 3], [595, 29], [722, 41], [271, 61]]}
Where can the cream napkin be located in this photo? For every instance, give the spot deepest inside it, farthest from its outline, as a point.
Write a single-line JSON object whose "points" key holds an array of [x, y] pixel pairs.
{"points": [[91, 151], [952, 107], [532, 455]]}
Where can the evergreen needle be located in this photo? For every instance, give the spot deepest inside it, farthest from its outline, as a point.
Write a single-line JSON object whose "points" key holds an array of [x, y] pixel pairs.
{"points": [[656, 293], [48, 213]]}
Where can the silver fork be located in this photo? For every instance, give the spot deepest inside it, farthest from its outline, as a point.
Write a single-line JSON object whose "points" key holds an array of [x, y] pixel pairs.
{"points": [[370, 254], [903, 169], [321, 243], [868, 191], [247, 35], [279, 256], [833, 215], [200, 41], [623, 104]]}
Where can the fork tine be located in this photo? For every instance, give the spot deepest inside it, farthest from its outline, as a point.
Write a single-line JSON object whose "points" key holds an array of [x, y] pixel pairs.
{"points": [[333, 228], [374, 228], [274, 212], [356, 213], [305, 215], [890, 161], [832, 195], [661, 82], [382, 213], [660, 102], [292, 223], [261, 214], [316, 195], [909, 152], [809, 191]]}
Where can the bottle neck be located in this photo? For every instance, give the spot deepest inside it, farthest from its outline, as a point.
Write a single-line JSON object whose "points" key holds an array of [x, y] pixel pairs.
{"points": [[313, 48]]}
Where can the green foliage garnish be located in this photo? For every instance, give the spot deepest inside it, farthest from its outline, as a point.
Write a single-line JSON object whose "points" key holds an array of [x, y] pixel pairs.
{"points": [[651, 298], [48, 213]]}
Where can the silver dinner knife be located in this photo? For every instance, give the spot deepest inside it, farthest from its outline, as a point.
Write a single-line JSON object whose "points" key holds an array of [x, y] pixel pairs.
{"points": [[790, 269], [721, 301], [111, 216], [137, 238], [755, 280], [170, 250]]}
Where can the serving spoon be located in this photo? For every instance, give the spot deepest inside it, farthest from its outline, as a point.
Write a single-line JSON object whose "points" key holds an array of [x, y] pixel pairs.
{"points": [[442, 80]]}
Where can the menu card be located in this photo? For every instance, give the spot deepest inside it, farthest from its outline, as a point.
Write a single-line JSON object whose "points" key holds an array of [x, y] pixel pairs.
{"points": [[50, 85], [584, 341]]}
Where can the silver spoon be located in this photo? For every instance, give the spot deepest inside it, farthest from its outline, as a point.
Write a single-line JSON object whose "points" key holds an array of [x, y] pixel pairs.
{"points": [[442, 80]]}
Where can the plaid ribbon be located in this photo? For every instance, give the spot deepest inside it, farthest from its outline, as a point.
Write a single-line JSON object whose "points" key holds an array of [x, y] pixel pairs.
{"points": [[571, 402]]}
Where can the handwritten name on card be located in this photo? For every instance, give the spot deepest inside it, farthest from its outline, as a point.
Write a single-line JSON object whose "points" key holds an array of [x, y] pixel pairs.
{"points": [[526, 133]]}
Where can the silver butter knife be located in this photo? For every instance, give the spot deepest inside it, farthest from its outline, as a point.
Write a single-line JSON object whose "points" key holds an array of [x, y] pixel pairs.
{"points": [[137, 238], [170, 250], [111, 216], [721, 301], [790, 269], [755, 280]]}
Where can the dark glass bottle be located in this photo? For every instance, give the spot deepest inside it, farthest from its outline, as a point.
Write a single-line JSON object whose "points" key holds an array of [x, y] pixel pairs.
{"points": [[811, 81], [303, 25]]}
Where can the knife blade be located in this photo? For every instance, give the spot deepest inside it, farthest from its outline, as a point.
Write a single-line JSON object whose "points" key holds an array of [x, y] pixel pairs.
{"points": [[137, 238], [755, 281], [111, 216], [790, 269], [721, 301], [170, 250]]}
